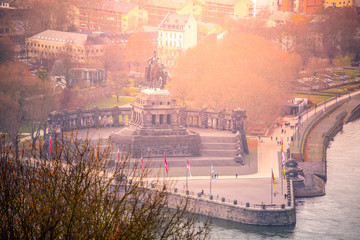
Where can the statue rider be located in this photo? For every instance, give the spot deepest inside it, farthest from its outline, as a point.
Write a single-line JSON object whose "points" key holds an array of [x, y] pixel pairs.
{"points": [[155, 72], [149, 66]]}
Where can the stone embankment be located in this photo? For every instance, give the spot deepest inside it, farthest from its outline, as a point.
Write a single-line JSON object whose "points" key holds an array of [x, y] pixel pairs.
{"points": [[246, 213], [317, 133]]}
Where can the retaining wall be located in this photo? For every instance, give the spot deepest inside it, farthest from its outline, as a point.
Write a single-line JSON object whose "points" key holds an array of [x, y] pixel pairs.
{"points": [[246, 213]]}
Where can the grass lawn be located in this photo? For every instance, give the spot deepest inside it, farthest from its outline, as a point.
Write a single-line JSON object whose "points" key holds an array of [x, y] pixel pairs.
{"points": [[110, 102], [25, 128], [350, 72], [326, 94], [132, 91]]}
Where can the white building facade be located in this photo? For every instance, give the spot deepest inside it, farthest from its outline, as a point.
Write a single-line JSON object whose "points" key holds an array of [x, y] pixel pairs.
{"points": [[177, 33]]}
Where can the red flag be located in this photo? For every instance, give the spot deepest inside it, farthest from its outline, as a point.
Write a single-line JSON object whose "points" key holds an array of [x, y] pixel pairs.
{"points": [[273, 178], [165, 162], [188, 167], [119, 156]]}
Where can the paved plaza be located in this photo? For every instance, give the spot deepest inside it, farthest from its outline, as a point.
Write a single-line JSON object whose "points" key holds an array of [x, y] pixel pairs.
{"points": [[250, 182]]}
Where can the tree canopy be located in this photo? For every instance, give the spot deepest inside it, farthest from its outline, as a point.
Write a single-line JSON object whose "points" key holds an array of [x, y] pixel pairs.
{"points": [[241, 70], [24, 100]]}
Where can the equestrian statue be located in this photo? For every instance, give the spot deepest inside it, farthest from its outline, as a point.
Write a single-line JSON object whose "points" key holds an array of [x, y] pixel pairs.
{"points": [[155, 73]]}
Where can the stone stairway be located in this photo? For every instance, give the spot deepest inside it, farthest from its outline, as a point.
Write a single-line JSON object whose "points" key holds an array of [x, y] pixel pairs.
{"points": [[221, 146]]}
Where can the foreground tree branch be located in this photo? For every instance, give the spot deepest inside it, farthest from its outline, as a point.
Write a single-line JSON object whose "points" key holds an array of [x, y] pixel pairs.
{"points": [[79, 192]]}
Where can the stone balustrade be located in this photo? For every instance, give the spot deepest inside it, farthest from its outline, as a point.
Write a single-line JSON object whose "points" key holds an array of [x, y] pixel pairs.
{"points": [[92, 118], [121, 116]]}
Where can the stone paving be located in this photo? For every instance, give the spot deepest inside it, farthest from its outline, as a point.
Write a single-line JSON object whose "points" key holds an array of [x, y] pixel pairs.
{"points": [[253, 181]]}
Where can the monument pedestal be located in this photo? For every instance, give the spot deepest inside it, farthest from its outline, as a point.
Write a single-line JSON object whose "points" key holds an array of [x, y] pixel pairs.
{"points": [[155, 128]]}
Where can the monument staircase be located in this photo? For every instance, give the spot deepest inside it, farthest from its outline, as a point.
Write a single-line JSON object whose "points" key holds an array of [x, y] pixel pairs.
{"points": [[218, 146]]}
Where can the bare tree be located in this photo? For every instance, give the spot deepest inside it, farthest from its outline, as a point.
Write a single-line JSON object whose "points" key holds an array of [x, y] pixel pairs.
{"points": [[339, 30], [7, 52], [24, 100], [80, 191]]}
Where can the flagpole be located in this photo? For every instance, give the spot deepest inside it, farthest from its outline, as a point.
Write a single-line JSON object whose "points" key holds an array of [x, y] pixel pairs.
{"points": [[164, 177], [271, 186], [186, 178], [210, 180], [282, 179]]}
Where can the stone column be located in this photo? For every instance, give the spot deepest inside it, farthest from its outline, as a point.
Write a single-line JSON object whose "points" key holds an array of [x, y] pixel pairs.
{"points": [[115, 116]]}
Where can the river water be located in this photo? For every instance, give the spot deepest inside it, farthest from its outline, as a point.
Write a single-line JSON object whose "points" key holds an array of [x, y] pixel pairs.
{"points": [[333, 216]]}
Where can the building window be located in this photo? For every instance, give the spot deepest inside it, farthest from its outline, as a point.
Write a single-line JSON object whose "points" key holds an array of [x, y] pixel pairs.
{"points": [[168, 119], [153, 119], [161, 119]]}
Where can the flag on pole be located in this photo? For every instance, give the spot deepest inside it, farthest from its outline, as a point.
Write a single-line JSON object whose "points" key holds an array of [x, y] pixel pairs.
{"points": [[119, 156], [283, 170], [165, 162], [273, 177], [50, 145], [212, 171], [142, 163], [95, 152], [188, 167]]}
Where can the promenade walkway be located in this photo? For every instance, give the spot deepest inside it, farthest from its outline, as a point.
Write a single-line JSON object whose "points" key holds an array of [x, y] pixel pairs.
{"points": [[313, 147]]}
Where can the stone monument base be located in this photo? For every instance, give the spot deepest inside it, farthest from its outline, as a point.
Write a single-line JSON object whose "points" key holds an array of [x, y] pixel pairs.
{"points": [[185, 145]]}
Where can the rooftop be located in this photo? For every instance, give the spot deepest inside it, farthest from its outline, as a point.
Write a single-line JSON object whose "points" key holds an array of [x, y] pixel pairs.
{"points": [[174, 21], [167, 3], [59, 36], [223, 2], [83, 38], [105, 5]]}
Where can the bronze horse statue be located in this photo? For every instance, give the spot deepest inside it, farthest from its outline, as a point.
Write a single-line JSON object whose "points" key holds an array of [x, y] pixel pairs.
{"points": [[155, 73]]}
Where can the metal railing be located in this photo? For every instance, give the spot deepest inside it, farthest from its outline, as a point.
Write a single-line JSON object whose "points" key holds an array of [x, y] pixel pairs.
{"points": [[219, 199]]}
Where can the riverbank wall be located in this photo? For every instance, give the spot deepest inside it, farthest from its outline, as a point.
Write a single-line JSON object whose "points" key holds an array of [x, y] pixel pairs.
{"points": [[354, 115], [245, 213], [316, 138]]}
